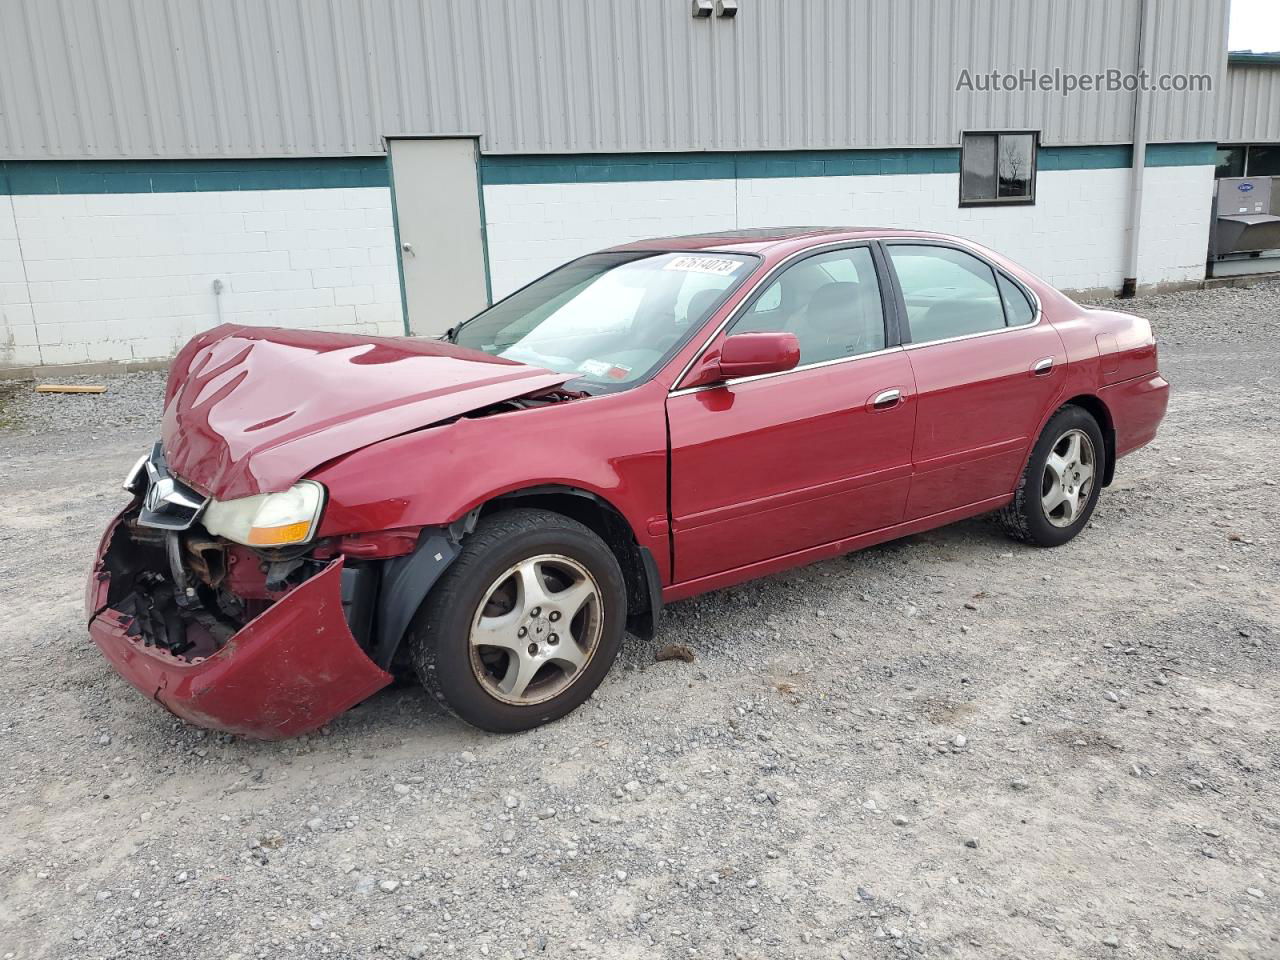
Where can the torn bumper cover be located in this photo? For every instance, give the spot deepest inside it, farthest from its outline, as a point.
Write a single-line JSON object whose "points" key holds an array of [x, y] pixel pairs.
{"points": [[287, 671]]}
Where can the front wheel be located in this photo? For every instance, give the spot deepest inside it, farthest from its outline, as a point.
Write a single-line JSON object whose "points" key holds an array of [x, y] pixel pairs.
{"points": [[524, 624], [1059, 488]]}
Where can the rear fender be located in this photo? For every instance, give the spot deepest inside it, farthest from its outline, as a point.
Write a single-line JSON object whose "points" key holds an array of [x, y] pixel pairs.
{"points": [[1100, 412]]}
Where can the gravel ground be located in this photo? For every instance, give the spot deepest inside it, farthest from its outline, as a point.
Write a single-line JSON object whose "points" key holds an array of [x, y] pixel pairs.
{"points": [[1234, 315], [132, 400], [948, 746]]}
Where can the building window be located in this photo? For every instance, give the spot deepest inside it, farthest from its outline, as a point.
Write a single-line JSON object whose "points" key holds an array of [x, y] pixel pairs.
{"points": [[998, 168], [1248, 160], [1230, 162], [1264, 160]]}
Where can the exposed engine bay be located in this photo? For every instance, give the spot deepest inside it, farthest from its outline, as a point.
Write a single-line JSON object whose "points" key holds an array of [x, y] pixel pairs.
{"points": [[188, 592], [530, 402]]}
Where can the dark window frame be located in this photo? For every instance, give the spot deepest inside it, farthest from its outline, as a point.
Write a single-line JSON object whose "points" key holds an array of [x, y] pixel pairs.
{"points": [[998, 201]]}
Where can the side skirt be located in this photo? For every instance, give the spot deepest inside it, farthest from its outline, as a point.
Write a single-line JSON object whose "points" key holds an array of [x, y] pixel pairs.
{"points": [[690, 588]]}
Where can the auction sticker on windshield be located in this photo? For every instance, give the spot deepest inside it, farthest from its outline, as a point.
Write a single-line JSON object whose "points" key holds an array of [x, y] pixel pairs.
{"points": [[601, 369], [719, 266]]}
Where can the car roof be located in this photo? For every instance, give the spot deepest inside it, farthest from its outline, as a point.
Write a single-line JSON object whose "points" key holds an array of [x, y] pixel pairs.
{"points": [[761, 239]]}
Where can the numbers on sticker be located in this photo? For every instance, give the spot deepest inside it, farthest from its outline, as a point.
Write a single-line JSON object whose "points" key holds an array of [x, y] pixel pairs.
{"points": [[719, 266]]}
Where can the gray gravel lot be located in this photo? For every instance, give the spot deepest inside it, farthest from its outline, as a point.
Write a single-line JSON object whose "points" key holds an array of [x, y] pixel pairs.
{"points": [[947, 746]]}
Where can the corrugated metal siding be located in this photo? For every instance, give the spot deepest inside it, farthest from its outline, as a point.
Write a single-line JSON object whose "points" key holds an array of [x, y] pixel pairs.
{"points": [[1252, 104], [1190, 37], [244, 78]]}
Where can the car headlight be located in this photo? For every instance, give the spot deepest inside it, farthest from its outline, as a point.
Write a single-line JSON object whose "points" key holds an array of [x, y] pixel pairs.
{"points": [[268, 519]]}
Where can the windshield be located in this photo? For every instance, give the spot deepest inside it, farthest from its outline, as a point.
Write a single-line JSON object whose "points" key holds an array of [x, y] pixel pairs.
{"points": [[609, 318]]}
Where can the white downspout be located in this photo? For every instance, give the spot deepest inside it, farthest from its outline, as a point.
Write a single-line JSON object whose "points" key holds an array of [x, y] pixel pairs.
{"points": [[1141, 112]]}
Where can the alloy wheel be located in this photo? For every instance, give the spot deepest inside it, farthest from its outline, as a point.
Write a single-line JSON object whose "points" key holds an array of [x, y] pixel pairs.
{"points": [[1069, 474], [536, 629]]}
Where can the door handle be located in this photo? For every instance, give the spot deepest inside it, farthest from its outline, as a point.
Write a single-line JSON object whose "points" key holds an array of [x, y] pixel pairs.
{"points": [[1042, 367], [886, 399]]}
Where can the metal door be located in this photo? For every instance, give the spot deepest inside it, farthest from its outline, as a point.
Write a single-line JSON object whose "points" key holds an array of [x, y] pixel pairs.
{"points": [[436, 190]]}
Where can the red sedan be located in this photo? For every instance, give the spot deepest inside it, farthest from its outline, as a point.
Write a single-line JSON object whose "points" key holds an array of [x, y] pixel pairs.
{"points": [[494, 510]]}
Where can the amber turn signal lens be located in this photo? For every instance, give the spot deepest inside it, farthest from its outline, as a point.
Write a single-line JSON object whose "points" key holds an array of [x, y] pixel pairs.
{"points": [[279, 536]]}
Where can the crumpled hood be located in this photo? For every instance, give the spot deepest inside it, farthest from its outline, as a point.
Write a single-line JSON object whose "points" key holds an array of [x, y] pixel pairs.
{"points": [[253, 409]]}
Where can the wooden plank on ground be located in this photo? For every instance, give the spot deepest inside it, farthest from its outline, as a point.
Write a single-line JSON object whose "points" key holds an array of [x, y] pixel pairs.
{"points": [[70, 388]]}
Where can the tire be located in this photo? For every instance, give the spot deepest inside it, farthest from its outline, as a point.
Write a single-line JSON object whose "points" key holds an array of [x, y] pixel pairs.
{"points": [[1027, 517], [492, 589]]}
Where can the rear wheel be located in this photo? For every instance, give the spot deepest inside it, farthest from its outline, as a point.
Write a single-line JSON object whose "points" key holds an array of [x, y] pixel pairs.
{"points": [[524, 625], [1059, 488]]}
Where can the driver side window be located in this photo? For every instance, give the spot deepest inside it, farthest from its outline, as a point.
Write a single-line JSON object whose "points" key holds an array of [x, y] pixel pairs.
{"points": [[831, 302]]}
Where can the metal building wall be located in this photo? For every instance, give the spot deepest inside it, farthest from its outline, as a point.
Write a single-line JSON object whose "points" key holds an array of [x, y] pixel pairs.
{"points": [[244, 78], [1251, 104]]}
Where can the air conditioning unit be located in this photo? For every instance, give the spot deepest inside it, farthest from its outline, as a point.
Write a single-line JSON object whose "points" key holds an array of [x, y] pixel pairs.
{"points": [[1244, 236]]}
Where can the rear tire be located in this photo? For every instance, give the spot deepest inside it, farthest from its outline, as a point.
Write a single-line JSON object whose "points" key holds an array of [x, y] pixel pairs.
{"points": [[524, 625], [1059, 488]]}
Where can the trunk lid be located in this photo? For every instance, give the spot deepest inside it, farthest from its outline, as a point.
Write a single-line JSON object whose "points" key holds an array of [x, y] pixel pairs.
{"points": [[252, 410]]}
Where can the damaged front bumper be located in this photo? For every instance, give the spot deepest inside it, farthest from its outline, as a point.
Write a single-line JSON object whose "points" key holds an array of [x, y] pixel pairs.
{"points": [[286, 671]]}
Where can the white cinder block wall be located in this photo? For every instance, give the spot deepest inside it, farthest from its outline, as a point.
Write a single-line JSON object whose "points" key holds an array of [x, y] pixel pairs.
{"points": [[1176, 208], [533, 228], [17, 330], [130, 276], [1075, 236]]}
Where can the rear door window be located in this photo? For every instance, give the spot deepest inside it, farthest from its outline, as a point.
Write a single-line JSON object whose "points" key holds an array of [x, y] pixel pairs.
{"points": [[948, 293]]}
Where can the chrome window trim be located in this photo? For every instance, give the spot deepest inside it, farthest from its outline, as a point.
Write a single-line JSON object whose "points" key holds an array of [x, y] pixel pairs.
{"points": [[969, 336], [836, 245]]}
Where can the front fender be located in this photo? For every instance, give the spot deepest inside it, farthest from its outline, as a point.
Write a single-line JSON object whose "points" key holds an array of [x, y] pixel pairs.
{"points": [[613, 447], [406, 581]]}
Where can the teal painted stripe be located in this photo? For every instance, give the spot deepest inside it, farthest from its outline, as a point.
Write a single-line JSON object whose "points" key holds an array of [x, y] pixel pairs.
{"points": [[1182, 154], [614, 168], [184, 176], [1265, 58], [630, 167], [187, 176], [1084, 158], [1119, 156]]}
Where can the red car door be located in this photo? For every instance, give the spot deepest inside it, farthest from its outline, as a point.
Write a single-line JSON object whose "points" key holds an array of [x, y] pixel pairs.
{"points": [[766, 466], [987, 369]]}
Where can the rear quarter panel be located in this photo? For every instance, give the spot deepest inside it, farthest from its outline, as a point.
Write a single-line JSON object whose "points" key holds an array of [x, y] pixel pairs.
{"points": [[1113, 356]]}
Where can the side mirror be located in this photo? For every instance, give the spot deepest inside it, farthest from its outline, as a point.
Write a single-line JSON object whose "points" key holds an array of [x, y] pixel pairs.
{"points": [[751, 354], [746, 355]]}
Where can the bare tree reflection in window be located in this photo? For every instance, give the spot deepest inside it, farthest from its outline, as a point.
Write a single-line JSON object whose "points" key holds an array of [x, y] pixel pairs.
{"points": [[1015, 166]]}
